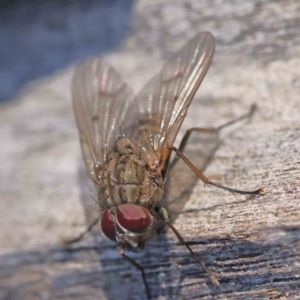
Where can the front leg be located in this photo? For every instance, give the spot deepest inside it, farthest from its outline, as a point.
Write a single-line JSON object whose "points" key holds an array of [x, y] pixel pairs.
{"points": [[163, 214]]}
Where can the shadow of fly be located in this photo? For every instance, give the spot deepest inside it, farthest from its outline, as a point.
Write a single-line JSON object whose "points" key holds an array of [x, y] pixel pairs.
{"points": [[127, 142]]}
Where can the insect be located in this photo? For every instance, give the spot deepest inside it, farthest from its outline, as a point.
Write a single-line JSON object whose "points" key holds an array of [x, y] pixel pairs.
{"points": [[127, 142]]}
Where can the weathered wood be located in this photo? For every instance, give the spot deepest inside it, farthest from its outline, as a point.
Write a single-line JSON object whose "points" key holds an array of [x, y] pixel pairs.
{"points": [[252, 244]]}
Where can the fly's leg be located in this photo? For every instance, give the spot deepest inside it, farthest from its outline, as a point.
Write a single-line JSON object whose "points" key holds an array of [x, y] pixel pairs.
{"points": [[162, 212], [84, 232], [207, 181], [141, 269], [208, 130]]}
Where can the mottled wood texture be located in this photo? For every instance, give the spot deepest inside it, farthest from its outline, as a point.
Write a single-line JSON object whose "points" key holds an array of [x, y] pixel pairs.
{"points": [[252, 244]]}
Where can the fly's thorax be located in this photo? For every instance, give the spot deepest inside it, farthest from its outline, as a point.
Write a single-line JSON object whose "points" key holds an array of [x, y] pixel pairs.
{"points": [[129, 179]]}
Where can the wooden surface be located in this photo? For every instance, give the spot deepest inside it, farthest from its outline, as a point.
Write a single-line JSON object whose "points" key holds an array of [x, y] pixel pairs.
{"points": [[252, 244]]}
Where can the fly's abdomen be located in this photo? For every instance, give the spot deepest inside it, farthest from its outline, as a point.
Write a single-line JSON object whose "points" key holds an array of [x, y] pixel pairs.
{"points": [[128, 180]]}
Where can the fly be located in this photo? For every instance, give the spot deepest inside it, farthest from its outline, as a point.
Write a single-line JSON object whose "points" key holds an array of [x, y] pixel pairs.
{"points": [[127, 141]]}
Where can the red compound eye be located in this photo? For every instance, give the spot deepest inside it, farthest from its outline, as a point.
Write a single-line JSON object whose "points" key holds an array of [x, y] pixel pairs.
{"points": [[107, 224], [133, 218]]}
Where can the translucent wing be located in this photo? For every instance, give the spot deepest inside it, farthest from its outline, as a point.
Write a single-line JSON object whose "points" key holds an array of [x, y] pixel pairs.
{"points": [[164, 101], [100, 100]]}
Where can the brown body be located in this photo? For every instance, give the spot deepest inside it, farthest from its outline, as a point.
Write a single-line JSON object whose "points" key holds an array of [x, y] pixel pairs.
{"points": [[127, 141], [129, 179]]}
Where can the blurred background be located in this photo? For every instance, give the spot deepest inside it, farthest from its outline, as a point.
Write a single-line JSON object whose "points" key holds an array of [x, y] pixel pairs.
{"points": [[39, 37], [44, 198]]}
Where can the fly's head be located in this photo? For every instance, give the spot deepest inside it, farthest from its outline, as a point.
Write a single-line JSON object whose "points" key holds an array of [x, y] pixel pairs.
{"points": [[129, 225]]}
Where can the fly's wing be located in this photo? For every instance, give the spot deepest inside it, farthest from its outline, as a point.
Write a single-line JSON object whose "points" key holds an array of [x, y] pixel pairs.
{"points": [[100, 100], [164, 101]]}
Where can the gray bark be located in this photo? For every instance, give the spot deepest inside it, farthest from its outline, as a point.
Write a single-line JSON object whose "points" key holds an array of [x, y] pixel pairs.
{"points": [[251, 243]]}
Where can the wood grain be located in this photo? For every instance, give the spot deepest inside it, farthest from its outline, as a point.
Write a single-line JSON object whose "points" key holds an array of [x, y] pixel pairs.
{"points": [[252, 244]]}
